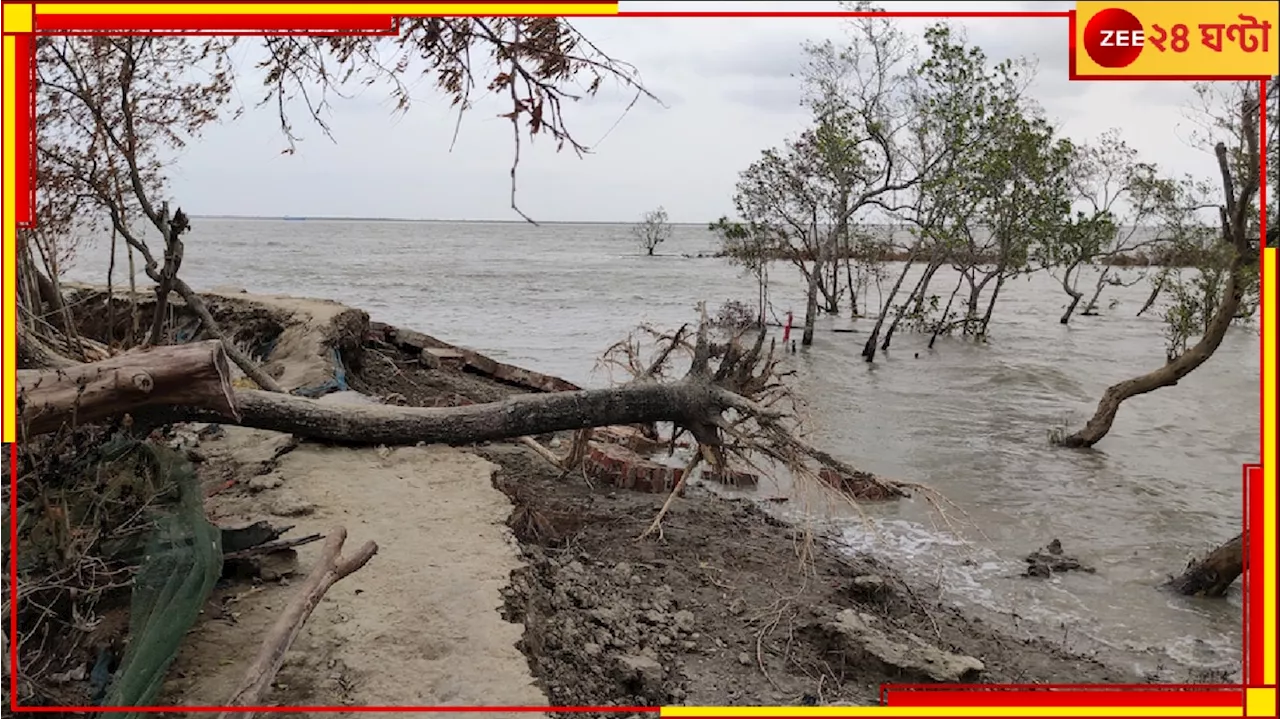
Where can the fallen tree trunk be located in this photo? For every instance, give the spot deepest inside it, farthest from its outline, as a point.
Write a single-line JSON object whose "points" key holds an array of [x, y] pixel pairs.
{"points": [[330, 569], [1214, 574], [181, 375], [725, 402], [517, 416]]}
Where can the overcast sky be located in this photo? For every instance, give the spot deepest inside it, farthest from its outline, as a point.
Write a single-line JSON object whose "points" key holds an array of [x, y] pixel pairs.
{"points": [[729, 91]]}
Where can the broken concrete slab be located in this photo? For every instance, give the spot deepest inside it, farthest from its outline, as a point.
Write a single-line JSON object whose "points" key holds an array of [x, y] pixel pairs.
{"points": [[862, 638]]}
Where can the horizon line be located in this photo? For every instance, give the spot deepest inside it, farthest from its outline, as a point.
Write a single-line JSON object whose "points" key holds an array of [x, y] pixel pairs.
{"points": [[358, 218]]}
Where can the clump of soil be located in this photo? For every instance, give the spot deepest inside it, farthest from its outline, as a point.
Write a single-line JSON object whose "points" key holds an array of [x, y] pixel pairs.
{"points": [[729, 606]]}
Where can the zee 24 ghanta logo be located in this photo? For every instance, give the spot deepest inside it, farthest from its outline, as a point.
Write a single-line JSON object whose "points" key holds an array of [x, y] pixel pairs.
{"points": [[1114, 38]]}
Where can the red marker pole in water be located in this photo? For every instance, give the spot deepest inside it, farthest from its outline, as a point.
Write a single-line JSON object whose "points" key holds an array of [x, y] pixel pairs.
{"points": [[786, 331]]}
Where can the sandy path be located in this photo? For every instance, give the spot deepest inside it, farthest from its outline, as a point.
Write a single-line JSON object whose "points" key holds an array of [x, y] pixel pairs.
{"points": [[419, 625]]}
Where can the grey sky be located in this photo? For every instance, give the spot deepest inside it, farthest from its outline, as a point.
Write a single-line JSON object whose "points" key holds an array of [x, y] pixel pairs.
{"points": [[729, 91]]}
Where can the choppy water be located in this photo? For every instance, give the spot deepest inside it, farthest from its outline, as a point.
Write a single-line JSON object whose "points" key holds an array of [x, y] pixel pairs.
{"points": [[970, 421]]}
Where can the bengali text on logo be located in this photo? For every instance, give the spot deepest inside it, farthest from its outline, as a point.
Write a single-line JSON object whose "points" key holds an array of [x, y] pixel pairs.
{"points": [[1182, 39]]}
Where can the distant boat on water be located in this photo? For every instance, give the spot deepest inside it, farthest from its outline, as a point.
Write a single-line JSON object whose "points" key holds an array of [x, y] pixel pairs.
{"points": [[294, 219]]}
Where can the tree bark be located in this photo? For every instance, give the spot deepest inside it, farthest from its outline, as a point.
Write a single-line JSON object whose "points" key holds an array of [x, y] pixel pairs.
{"points": [[183, 375], [1155, 292], [35, 353], [1091, 307], [811, 307], [1072, 292], [331, 568], [869, 348], [173, 251], [943, 323], [685, 401], [922, 288], [1214, 574]]}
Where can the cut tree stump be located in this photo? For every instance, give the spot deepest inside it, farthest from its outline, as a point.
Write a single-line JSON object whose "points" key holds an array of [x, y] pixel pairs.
{"points": [[1215, 573], [190, 375]]}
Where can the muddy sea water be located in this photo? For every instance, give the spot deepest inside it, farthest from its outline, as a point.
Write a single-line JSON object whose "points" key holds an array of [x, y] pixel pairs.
{"points": [[970, 421]]}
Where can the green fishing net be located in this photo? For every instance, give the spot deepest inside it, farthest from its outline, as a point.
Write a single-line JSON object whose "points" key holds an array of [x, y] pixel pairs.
{"points": [[181, 564]]}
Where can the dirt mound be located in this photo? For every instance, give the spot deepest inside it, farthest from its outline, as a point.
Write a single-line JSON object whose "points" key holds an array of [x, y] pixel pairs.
{"points": [[303, 343]]}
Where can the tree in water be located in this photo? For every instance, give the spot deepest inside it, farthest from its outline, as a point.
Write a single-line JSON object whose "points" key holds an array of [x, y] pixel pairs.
{"points": [[808, 194], [653, 230], [1121, 195], [951, 82], [1229, 263], [992, 185], [751, 248], [1023, 184]]}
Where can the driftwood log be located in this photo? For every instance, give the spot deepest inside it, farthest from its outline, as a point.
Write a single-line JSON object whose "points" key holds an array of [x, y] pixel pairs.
{"points": [[329, 570], [194, 374], [1215, 573]]}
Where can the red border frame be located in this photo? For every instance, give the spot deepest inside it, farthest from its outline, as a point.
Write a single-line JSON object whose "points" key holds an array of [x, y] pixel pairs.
{"points": [[899, 694]]}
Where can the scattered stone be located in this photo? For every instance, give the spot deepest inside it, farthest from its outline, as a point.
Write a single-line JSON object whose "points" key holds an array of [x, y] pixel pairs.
{"points": [[647, 672], [1050, 560], [262, 457], [853, 635], [869, 581], [183, 439], [290, 505], [869, 588], [263, 482], [211, 431], [744, 659], [684, 620]]}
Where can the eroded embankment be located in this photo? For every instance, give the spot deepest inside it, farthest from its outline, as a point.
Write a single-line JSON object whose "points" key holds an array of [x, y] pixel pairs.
{"points": [[730, 606]]}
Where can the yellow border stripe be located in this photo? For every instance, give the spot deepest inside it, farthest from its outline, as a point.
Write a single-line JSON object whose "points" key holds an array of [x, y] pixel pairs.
{"points": [[453, 8], [1268, 390], [900, 711], [9, 248]]}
